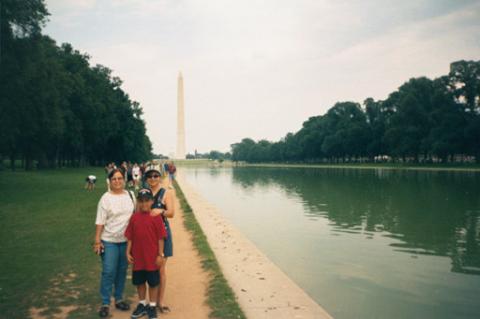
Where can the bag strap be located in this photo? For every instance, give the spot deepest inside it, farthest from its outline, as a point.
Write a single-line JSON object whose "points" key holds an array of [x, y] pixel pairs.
{"points": [[159, 196], [133, 201]]}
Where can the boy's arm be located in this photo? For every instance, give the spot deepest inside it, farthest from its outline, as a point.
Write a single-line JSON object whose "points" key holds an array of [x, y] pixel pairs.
{"points": [[129, 252]]}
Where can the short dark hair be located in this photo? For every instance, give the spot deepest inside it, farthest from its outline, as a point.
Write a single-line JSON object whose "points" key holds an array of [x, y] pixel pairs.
{"points": [[110, 175]]}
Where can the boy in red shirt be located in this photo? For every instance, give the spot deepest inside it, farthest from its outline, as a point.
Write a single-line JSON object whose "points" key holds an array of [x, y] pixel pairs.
{"points": [[145, 234]]}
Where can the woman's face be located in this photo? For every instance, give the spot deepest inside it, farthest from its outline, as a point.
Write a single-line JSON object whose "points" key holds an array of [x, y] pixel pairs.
{"points": [[153, 179], [117, 182]]}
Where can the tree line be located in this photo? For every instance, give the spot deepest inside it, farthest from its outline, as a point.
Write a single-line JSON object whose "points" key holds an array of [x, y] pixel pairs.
{"points": [[57, 109], [423, 121], [212, 155]]}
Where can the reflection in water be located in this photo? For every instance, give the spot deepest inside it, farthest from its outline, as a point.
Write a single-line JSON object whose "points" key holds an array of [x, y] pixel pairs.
{"points": [[428, 212]]}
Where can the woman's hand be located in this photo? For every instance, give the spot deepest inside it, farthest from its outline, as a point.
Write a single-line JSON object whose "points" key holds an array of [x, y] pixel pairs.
{"points": [[156, 212], [130, 258], [98, 248]]}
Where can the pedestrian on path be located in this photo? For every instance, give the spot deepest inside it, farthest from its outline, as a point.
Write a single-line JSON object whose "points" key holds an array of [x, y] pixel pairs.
{"points": [[163, 205], [136, 176], [172, 169], [108, 169], [113, 213]]}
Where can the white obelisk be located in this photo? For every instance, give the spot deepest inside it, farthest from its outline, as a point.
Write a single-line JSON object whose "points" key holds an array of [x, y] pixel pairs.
{"points": [[180, 120]]}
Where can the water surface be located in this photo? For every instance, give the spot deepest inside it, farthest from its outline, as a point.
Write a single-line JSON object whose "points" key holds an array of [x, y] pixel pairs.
{"points": [[362, 243]]}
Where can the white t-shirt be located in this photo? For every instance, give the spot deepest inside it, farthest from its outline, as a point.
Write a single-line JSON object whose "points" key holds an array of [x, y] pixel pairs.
{"points": [[136, 171], [113, 212]]}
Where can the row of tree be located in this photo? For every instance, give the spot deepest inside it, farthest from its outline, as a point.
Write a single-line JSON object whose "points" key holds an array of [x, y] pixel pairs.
{"points": [[212, 155], [423, 121], [56, 109]]}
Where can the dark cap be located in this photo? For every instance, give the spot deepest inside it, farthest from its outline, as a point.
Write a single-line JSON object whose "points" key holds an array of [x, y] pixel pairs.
{"points": [[144, 193]]}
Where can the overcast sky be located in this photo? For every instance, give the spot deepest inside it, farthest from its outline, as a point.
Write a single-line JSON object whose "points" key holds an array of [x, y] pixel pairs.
{"points": [[260, 68]]}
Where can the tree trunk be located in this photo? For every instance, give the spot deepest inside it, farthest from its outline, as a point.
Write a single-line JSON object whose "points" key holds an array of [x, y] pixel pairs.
{"points": [[42, 161], [12, 162], [28, 163]]}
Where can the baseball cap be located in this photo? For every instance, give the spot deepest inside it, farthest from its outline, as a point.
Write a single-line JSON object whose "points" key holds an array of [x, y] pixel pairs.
{"points": [[154, 168], [144, 193]]}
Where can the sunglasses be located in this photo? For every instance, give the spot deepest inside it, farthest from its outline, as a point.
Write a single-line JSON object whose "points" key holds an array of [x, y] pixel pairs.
{"points": [[153, 176]]}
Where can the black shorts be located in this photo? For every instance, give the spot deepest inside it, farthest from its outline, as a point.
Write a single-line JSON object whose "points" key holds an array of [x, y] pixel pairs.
{"points": [[139, 277]]}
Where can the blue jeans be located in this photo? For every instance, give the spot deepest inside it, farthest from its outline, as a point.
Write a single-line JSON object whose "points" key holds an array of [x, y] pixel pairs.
{"points": [[114, 271]]}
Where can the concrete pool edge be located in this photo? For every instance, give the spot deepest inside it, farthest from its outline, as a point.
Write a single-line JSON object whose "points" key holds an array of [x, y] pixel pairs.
{"points": [[262, 289]]}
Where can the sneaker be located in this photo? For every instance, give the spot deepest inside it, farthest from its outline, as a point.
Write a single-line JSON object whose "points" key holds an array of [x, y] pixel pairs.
{"points": [[104, 310], [140, 311], [152, 312], [122, 305]]}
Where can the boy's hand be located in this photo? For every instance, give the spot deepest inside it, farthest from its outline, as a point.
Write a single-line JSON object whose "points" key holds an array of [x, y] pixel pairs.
{"points": [[159, 261], [130, 258], [156, 212]]}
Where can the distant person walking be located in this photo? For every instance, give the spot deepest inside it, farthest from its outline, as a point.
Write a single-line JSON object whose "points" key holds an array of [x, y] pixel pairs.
{"points": [[143, 168], [124, 168], [171, 174], [136, 175], [113, 213], [165, 166], [108, 169], [163, 205], [130, 182]]}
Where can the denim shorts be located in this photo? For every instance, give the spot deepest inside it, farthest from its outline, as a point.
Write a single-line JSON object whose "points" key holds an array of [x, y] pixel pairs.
{"points": [[168, 243]]}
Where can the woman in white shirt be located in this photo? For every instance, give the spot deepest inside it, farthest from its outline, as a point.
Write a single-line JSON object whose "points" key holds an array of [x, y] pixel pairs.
{"points": [[113, 213]]}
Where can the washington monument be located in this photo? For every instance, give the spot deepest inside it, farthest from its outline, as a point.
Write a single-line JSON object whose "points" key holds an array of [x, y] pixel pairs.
{"points": [[180, 120]]}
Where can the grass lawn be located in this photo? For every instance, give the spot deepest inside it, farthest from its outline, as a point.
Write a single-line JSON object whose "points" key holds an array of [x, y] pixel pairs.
{"points": [[46, 234]]}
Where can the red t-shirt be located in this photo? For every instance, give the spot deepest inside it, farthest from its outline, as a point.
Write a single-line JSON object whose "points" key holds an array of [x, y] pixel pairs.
{"points": [[145, 231]]}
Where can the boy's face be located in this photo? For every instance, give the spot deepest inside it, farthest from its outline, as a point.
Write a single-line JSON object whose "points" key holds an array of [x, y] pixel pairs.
{"points": [[145, 205]]}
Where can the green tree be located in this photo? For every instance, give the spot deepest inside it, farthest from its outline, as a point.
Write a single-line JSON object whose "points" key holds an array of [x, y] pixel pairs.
{"points": [[409, 125], [464, 82], [346, 131], [376, 119]]}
